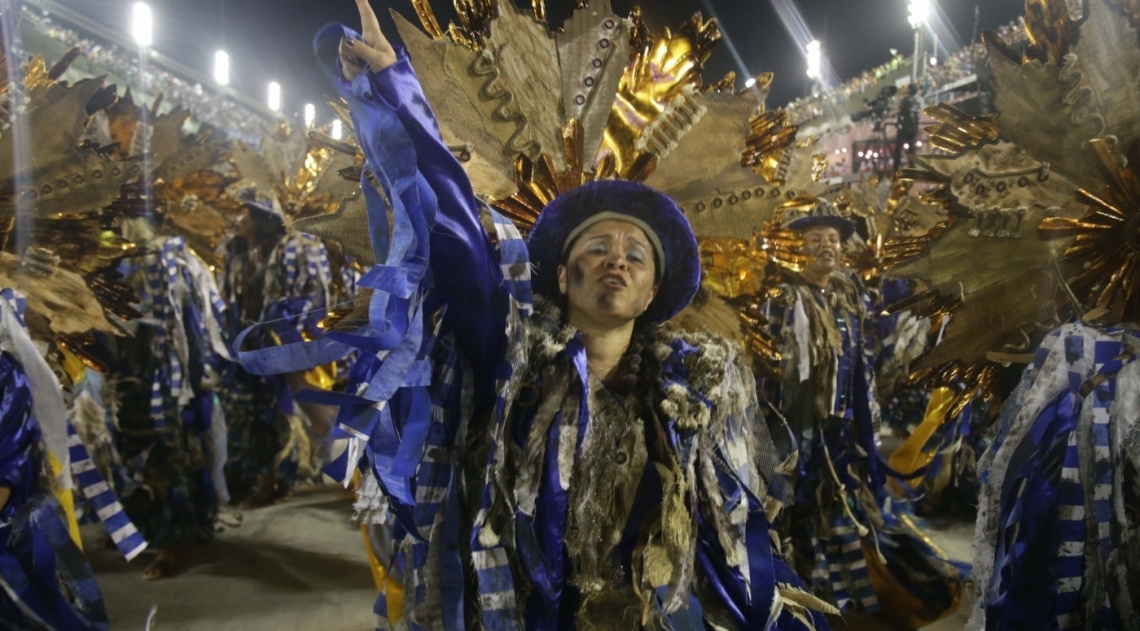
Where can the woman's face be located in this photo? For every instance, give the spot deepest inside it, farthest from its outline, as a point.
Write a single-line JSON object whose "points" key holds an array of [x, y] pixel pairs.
{"points": [[824, 248], [609, 274]]}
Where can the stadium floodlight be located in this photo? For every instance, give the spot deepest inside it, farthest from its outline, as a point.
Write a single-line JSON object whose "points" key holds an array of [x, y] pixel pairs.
{"points": [[815, 60], [918, 12], [222, 67], [310, 115], [275, 96], [142, 25]]}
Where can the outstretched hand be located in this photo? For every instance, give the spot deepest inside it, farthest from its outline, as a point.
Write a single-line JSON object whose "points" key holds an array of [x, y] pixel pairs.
{"points": [[374, 53]]}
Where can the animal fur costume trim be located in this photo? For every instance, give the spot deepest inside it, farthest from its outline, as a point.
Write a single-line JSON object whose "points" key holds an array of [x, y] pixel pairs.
{"points": [[707, 393]]}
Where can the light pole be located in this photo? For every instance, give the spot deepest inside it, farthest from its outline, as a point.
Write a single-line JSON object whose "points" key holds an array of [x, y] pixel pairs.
{"points": [[275, 96], [918, 16], [815, 64], [142, 25], [222, 67]]}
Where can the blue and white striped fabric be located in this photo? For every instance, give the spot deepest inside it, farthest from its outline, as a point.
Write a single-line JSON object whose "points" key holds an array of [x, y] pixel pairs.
{"points": [[1067, 406], [176, 280], [102, 499], [515, 262]]}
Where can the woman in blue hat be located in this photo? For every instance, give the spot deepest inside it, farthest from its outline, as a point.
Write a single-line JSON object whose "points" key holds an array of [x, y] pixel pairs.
{"points": [[546, 463]]}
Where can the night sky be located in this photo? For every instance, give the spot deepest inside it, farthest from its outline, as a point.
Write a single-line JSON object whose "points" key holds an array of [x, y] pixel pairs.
{"points": [[271, 39]]}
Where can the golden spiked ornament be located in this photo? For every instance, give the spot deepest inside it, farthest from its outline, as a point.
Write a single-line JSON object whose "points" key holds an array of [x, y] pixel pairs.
{"points": [[1104, 257]]}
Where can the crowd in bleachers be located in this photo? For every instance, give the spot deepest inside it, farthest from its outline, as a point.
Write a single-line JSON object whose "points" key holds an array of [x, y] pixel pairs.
{"points": [[204, 103], [849, 97]]}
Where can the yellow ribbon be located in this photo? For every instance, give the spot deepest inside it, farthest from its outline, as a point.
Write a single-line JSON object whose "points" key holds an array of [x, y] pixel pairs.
{"points": [[911, 456], [66, 500], [392, 589]]}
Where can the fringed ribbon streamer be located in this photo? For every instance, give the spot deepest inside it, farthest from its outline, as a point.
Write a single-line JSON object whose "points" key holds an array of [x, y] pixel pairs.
{"points": [[103, 500]]}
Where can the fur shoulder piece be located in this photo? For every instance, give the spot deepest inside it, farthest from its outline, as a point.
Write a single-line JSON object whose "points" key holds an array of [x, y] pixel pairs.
{"points": [[697, 369], [546, 335]]}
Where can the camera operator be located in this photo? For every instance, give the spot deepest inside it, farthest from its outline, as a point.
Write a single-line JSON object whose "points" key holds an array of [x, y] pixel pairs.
{"points": [[910, 115]]}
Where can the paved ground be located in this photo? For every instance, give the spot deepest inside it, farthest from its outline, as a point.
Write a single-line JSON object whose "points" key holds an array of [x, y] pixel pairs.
{"points": [[300, 566]]}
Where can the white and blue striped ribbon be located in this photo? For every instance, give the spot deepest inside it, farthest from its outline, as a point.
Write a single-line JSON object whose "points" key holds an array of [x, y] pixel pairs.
{"points": [[102, 499], [291, 263]]}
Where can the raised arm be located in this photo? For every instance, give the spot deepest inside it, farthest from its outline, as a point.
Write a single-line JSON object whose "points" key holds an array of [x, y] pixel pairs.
{"points": [[384, 91]]}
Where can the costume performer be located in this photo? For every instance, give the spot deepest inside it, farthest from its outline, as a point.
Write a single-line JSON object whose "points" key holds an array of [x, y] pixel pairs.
{"points": [[45, 581], [168, 414], [1037, 266], [577, 467], [826, 397], [283, 278]]}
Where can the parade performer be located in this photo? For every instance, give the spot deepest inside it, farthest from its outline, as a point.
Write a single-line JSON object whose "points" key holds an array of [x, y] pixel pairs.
{"points": [[1037, 269], [168, 417], [574, 467], [281, 277], [846, 538], [45, 581]]}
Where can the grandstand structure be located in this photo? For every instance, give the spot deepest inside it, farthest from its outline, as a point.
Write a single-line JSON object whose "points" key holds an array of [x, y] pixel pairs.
{"points": [[48, 28], [856, 147]]}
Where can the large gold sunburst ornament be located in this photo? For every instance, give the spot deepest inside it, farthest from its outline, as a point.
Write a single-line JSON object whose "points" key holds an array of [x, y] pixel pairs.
{"points": [[1104, 258]]}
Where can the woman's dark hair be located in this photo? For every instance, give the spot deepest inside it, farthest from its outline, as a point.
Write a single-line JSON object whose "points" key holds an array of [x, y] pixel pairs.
{"points": [[268, 229]]}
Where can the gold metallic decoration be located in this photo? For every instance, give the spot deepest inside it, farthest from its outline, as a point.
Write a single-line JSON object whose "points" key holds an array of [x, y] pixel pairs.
{"points": [[347, 226], [1104, 258], [76, 182], [427, 18], [819, 166], [84, 243], [539, 183], [113, 293], [784, 247], [900, 248], [1049, 26], [732, 267], [75, 349], [62, 299], [979, 379], [57, 120], [660, 74], [36, 75], [767, 145], [763, 347], [726, 84], [474, 23], [959, 131]]}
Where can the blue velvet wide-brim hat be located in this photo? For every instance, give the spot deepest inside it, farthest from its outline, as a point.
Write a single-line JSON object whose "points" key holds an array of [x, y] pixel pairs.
{"points": [[846, 228], [680, 277]]}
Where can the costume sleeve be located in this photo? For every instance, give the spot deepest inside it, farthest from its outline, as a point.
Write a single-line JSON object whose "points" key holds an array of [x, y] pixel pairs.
{"points": [[414, 165], [19, 434]]}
